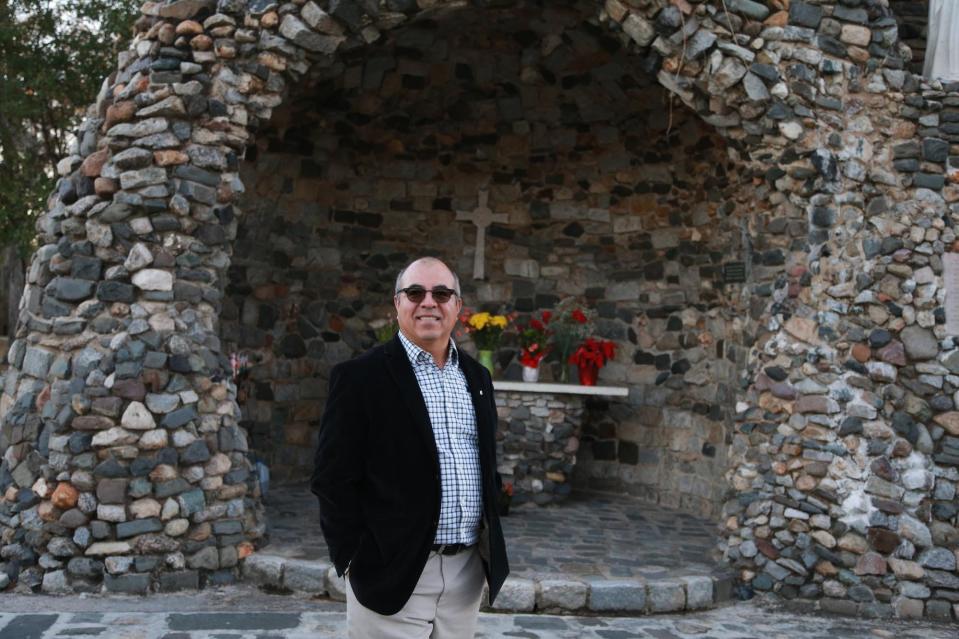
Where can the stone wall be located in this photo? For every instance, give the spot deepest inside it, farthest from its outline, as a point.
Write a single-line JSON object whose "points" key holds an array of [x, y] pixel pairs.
{"points": [[537, 443], [612, 194], [913, 16], [841, 468]]}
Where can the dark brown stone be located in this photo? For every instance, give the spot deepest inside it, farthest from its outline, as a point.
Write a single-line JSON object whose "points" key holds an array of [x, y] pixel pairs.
{"points": [[92, 422], [861, 352], [871, 563], [130, 389], [893, 353], [881, 467], [883, 540], [766, 548], [887, 505]]}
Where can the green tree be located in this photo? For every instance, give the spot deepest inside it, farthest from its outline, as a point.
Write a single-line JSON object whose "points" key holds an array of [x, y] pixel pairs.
{"points": [[54, 55]]}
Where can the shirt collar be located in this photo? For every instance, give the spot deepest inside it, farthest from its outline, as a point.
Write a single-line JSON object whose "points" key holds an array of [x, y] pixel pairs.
{"points": [[418, 356]]}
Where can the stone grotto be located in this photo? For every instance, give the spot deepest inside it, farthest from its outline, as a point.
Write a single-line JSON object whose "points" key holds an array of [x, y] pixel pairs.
{"points": [[757, 199]]}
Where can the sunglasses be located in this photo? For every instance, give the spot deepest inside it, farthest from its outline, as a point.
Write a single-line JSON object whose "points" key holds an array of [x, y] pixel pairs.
{"points": [[416, 294]]}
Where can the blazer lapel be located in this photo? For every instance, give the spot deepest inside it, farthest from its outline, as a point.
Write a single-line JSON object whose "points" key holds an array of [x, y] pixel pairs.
{"points": [[401, 370]]}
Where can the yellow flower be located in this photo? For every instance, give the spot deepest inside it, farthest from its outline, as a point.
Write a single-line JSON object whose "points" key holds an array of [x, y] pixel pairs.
{"points": [[499, 321], [479, 320]]}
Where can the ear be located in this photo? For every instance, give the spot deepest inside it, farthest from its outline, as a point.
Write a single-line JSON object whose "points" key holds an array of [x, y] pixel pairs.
{"points": [[396, 303], [459, 305]]}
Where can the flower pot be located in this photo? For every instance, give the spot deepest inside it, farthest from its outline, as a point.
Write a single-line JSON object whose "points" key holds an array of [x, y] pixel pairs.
{"points": [[587, 375], [530, 374], [486, 359]]}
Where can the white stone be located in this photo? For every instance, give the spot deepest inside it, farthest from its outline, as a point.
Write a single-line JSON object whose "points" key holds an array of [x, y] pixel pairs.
{"points": [[171, 508], [141, 225], [792, 130], [41, 488], [176, 527], [104, 548], [162, 322], [219, 464], [143, 508], [139, 257], [107, 512], [153, 279], [183, 438], [138, 417], [153, 439], [115, 436]]}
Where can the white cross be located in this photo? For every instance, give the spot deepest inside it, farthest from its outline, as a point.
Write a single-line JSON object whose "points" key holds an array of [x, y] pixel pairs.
{"points": [[482, 217]]}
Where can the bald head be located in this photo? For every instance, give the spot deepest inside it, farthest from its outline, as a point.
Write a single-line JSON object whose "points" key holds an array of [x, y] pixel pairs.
{"points": [[425, 261]]}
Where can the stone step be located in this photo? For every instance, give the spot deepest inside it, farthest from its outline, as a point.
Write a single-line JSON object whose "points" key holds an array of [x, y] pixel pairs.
{"points": [[553, 594]]}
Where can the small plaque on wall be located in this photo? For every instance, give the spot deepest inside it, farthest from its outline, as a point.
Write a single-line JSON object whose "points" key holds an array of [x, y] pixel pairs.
{"points": [[950, 275], [734, 272]]}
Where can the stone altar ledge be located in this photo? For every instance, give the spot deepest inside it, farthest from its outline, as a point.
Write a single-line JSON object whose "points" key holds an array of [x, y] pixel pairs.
{"points": [[568, 389]]}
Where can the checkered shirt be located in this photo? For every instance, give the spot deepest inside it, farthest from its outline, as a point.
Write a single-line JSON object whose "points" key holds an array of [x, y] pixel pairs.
{"points": [[453, 419]]}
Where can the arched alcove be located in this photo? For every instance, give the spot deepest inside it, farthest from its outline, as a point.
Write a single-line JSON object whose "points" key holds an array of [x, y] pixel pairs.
{"points": [[612, 193]]}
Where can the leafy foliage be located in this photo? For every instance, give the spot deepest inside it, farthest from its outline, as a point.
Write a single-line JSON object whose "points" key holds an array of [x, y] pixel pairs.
{"points": [[54, 55]]}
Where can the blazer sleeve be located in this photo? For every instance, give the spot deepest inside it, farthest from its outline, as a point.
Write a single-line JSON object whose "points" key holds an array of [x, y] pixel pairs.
{"points": [[338, 473]]}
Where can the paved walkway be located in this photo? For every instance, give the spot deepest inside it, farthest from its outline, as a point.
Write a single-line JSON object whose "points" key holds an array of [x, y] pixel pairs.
{"points": [[246, 613], [587, 536]]}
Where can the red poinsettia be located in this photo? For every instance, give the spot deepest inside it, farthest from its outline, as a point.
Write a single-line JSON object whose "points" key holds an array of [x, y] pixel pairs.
{"points": [[593, 352]]}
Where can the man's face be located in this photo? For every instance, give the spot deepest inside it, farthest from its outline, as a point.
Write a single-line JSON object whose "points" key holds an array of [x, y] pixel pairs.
{"points": [[427, 324]]}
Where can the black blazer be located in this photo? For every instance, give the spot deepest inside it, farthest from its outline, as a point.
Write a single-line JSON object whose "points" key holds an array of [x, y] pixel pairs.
{"points": [[377, 476]]}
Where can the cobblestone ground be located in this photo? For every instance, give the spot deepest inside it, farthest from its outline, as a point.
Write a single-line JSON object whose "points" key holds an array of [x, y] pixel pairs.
{"points": [[245, 613], [588, 535]]}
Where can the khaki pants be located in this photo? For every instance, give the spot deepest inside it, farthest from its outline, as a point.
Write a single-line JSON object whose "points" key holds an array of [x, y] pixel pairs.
{"points": [[444, 604]]}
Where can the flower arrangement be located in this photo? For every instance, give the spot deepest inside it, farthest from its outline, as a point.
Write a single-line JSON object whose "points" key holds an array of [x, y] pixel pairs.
{"points": [[591, 356], [593, 352], [485, 328], [384, 328], [533, 340], [571, 326]]}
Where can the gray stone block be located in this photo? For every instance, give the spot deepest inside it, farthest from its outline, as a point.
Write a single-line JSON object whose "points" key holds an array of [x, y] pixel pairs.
{"points": [[138, 527], [208, 559], [181, 580], [666, 596], [562, 594], [37, 362], [54, 582], [135, 584], [264, 570], [517, 595], [627, 595], [306, 576], [939, 610], [699, 592]]}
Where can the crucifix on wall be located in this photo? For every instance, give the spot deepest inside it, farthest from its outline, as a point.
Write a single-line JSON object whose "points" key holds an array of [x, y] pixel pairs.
{"points": [[482, 216]]}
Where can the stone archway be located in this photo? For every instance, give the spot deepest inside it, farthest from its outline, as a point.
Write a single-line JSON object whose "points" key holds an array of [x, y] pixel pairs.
{"points": [[610, 195], [117, 397]]}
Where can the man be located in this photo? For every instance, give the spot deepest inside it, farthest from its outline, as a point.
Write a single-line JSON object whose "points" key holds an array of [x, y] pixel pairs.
{"points": [[406, 473]]}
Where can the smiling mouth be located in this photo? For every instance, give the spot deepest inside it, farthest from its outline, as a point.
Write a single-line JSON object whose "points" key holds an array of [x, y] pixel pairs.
{"points": [[428, 317]]}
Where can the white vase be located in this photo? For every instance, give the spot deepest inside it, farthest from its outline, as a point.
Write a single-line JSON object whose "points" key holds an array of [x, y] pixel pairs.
{"points": [[530, 374]]}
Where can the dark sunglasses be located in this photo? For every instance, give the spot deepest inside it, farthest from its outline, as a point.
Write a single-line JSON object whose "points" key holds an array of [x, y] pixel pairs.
{"points": [[416, 294]]}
